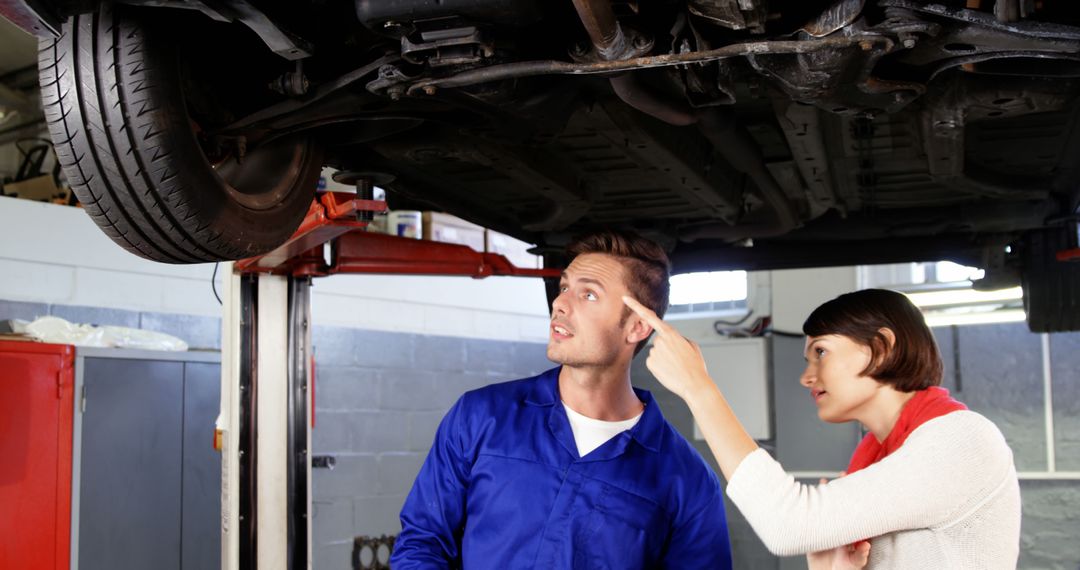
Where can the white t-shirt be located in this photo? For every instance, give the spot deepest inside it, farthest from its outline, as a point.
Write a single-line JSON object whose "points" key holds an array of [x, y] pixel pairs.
{"points": [[590, 433]]}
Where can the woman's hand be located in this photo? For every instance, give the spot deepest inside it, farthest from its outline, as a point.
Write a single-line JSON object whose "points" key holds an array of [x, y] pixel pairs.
{"points": [[847, 557], [675, 361]]}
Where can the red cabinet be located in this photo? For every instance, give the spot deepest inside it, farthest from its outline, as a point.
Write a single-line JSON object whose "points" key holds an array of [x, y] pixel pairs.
{"points": [[36, 409]]}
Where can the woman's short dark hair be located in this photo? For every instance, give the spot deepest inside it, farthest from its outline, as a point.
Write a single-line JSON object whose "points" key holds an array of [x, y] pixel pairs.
{"points": [[912, 363]]}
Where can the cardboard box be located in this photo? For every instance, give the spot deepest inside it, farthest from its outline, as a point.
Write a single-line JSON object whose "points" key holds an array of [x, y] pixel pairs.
{"points": [[446, 228], [41, 188], [515, 250]]}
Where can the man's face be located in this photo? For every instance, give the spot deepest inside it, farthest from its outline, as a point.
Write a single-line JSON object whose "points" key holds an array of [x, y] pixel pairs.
{"points": [[588, 328]]}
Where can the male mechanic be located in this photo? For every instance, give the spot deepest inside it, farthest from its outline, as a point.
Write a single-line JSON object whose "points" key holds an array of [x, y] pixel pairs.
{"points": [[573, 468]]}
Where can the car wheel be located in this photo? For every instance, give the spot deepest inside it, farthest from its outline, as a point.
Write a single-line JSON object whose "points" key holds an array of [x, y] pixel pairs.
{"points": [[1051, 287], [111, 91]]}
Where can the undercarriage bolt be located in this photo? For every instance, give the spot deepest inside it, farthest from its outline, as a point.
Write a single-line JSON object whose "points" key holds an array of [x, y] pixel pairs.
{"points": [[429, 89], [641, 42]]}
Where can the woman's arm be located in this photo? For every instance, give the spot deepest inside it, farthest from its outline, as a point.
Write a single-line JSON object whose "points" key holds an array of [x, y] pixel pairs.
{"points": [[944, 470], [677, 364]]}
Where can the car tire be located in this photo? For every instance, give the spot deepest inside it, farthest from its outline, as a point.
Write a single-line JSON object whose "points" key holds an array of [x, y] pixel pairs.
{"points": [[1051, 287], [112, 96]]}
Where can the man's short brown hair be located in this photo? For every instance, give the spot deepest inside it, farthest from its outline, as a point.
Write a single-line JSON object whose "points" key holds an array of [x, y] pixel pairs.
{"points": [[648, 270], [912, 363]]}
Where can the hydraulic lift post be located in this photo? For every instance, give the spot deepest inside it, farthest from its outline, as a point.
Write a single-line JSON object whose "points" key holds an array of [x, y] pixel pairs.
{"points": [[264, 429]]}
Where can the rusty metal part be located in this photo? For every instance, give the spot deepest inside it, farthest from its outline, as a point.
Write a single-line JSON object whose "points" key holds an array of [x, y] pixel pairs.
{"points": [[374, 547], [835, 17], [447, 47], [292, 105], [839, 80], [965, 62], [604, 31], [1039, 30], [640, 96], [552, 67], [733, 14]]}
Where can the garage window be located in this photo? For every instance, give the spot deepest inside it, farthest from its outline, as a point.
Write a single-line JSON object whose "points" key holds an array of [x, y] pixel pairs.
{"points": [[944, 292], [708, 292]]}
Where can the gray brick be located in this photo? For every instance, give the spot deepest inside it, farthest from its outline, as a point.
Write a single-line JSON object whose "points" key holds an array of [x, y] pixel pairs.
{"points": [[385, 349], [20, 310], [332, 432], [96, 316], [946, 338], [332, 556], [1065, 373], [409, 390], [332, 521], [482, 356], [353, 476], [440, 352], [376, 516], [1000, 376], [334, 346], [349, 347], [450, 386], [397, 471], [347, 388], [377, 431], [422, 427], [530, 359], [198, 332], [1050, 525]]}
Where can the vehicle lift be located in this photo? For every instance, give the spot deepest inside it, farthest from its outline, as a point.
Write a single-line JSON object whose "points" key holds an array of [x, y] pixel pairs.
{"points": [[267, 366]]}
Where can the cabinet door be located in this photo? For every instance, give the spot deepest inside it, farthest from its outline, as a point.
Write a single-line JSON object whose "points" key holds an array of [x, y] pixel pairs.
{"points": [[130, 511], [201, 532], [35, 455]]}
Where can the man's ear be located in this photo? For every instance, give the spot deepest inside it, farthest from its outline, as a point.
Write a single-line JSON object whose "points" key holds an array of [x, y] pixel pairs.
{"points": [[639, 330]]}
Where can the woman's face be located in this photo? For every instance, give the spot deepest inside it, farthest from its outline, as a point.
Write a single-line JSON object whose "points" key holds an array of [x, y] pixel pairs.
{"points": [[833, 375]]}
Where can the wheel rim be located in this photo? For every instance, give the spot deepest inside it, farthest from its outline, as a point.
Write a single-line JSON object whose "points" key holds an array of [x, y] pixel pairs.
{"points": [[267, 176]]}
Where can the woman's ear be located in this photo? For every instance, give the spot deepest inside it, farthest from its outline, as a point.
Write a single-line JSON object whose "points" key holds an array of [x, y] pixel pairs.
{"points": [[889, 336], [885, 340]]}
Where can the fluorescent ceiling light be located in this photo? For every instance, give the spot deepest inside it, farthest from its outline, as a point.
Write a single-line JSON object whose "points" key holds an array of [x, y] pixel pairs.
{"points": [[964, 297], [985, 317]]}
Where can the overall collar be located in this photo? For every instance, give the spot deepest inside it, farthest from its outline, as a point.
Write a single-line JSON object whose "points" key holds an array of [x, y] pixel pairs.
{"points": [[648, 432]]}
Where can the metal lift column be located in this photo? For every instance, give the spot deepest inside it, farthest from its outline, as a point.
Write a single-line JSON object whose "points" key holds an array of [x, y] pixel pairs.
{"points": [[264, 431]]}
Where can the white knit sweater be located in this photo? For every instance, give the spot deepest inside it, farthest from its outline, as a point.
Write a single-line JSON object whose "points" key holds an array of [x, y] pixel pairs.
{"points": [[948, 499]]}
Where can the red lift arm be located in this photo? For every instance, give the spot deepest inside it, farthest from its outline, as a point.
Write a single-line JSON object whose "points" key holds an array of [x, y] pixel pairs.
{"points": [[334, 218]]}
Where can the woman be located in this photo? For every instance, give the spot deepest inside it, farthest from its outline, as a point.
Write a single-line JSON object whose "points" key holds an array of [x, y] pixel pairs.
{"points": [[931, 486]]}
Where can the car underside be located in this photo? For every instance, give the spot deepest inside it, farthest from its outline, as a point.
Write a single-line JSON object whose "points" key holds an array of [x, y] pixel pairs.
{"points": [[745, 134]]}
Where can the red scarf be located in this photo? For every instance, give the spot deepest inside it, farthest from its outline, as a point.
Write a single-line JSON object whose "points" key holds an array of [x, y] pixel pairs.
{"points": [[924, 406]]}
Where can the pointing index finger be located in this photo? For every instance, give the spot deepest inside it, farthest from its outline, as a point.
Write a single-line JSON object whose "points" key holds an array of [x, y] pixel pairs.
{"points": [[645, 313]]}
